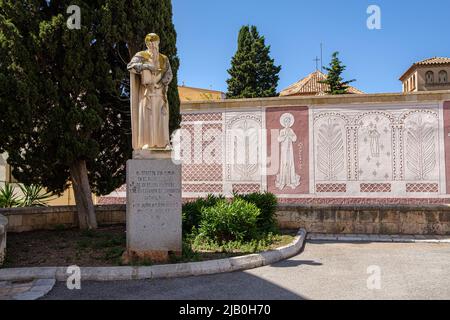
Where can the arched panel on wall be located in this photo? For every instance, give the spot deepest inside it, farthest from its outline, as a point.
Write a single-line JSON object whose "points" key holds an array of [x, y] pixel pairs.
{"points": [[420, 145], [443, 77], [243, 147], [330, 147], [429, 77], [375, 147]]}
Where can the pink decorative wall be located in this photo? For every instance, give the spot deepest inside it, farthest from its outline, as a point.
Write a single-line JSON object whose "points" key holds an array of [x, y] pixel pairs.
{"points": [[300, 149]]}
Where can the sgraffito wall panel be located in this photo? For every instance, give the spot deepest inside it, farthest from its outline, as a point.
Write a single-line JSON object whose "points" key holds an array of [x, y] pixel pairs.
{"points": [[378, 151], [287, 150], [319, 154], [222, 152], [201, 152]]}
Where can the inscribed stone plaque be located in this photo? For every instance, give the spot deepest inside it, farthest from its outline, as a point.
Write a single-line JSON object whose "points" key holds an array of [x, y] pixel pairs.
{"points": [[153, 206]]}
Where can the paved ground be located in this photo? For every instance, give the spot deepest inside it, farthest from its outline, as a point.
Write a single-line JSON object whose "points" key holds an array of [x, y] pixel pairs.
{"points": [[325, 270]]}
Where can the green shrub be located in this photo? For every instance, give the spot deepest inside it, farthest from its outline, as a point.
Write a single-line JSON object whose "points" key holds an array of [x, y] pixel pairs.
{"points": [[255, 245], [229, 221], [8, 196], [192, 211], [34, 196], [267, 203]]}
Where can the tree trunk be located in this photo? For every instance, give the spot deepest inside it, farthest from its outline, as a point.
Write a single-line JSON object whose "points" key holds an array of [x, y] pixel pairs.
{"points": [[83, 196]]}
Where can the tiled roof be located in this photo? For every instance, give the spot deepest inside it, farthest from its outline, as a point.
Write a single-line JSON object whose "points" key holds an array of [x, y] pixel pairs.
{"points": [[431, 61], [310, 85], [426, 62]]}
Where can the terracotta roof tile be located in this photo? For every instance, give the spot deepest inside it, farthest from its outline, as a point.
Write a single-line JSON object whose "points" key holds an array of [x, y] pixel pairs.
{"points": [[426, 62], [431, 61], [310, 85]]}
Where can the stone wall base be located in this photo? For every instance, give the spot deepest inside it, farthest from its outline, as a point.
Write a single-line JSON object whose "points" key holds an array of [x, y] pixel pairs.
{"points": [[359, 219], [367, 219]]}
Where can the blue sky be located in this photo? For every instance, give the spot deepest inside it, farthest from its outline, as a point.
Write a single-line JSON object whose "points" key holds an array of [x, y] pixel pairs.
{"points": [[411, 30]]}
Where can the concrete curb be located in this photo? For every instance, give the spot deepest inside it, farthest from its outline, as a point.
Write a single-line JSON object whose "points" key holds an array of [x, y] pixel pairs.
{"points": [[377, 238], [39, 289], [161, 271]]}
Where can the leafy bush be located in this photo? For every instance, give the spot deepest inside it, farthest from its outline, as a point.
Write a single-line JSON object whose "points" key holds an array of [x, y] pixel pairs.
{"points": [[267, 203], [229, 221], [192, 211], [264, 242]]}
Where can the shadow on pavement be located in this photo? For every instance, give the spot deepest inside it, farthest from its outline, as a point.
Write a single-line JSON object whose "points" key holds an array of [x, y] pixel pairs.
{"points": [[295, 263], [226, 286]]}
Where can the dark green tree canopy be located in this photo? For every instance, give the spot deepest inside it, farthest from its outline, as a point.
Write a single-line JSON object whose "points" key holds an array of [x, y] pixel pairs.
{"points": [[253, 72], [334, 79], [64, 93]]}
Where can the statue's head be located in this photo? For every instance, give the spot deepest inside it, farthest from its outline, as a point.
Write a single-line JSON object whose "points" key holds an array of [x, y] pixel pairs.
{"points": [[152, 42]]}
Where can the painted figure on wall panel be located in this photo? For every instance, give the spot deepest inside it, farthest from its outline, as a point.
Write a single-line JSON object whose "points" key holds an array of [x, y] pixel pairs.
{"points": [[287, 132], [374, 147], [287, 177]]}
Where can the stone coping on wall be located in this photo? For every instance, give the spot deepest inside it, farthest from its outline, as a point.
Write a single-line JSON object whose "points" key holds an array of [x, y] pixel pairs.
{"points": [[56, 209], [372, 207], [378, 98], [48, 218]]}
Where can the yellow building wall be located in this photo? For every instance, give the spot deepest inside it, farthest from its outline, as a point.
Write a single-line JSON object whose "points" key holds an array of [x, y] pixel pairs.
{"points": [[67, 199], [198, 94]]}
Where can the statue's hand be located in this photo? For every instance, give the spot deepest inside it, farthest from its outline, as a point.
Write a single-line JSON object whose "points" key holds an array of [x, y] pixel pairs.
{"points": [[138, 68]]}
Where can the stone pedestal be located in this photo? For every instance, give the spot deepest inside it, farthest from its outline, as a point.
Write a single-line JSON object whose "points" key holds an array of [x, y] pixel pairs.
{"points": [[153, 210]]}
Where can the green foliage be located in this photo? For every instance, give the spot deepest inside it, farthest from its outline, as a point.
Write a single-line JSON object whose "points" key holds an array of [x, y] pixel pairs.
{"points": [[253, 73], [60, 96], [8, 196], [334, 79], [188, 254], [192, 211], [34, 196], [267, 204], [229, 221], [64, 94], [255, 245]]}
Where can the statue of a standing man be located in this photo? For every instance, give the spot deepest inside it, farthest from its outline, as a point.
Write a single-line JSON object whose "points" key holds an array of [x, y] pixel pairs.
{"points": [[150, 75]]}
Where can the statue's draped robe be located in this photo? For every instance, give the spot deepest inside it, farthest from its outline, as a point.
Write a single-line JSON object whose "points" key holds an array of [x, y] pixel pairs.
{"points": [[287, 175], [149, 105]]}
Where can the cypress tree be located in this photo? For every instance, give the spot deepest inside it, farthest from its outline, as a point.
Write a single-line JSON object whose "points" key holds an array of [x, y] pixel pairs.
{"points": [[334, 80], [64, 98], [253, 72]]}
